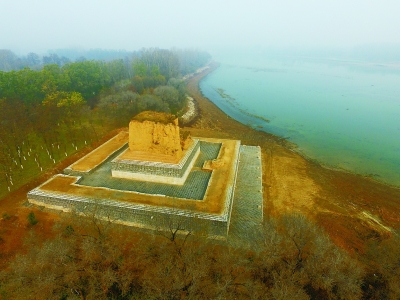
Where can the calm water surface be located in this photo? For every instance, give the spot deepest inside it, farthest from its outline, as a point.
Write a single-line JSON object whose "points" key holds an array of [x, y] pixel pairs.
{"points": [[344, 114]]}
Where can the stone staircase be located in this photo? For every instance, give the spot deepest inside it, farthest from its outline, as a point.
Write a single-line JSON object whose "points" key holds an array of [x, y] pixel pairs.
{"points": [[247, 210]]}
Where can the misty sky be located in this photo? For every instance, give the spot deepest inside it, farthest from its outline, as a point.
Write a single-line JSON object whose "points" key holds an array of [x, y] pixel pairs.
{"points": [[39, 25]]}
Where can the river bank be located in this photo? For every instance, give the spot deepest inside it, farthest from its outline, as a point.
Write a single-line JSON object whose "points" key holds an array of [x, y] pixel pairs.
{"points": [[351, 208], [341, 117]]}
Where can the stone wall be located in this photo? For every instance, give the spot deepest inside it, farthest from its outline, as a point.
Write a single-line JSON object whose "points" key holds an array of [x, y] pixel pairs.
{"points": [[134, 214], [154, 216], [158, 168]]}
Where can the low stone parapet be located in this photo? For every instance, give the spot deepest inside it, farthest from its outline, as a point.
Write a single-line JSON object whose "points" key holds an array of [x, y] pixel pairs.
{"points": [[146, 216], [157, 171]]}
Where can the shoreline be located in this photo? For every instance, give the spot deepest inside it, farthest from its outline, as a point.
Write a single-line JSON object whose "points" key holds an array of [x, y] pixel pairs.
{"points": [[291, 145], [351, 207]]}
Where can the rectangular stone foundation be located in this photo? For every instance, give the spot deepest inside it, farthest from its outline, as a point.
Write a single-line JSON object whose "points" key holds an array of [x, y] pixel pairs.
{"points": [[210, 215], [157, 171]]}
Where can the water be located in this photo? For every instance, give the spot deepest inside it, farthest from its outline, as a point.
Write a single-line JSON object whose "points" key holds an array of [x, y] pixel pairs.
{"points": [[343, 114]]}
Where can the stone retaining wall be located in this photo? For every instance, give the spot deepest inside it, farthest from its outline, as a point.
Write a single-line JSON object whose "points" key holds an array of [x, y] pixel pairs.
{"points": [[153, 216], [157, 168], [139, 215]]}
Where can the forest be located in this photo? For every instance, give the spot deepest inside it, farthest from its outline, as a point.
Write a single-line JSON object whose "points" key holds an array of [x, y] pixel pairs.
{"points": [[189, 59], [88, 258]]}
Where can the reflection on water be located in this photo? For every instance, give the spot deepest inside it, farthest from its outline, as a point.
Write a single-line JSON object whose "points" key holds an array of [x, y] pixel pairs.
{"points": [[344, 114]]}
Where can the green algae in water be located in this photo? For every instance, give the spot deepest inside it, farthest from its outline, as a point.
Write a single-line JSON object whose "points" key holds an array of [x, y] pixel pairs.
{"points": [[230, 100]]}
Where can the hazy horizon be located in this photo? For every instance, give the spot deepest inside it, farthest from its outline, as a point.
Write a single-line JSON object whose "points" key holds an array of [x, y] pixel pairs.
{"points": [[45, 25]]}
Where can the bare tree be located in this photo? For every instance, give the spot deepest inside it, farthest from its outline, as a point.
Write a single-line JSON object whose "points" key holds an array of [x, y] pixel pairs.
{"points": [[300, 254]]}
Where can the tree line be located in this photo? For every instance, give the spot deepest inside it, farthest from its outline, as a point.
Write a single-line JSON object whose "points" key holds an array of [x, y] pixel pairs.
{"points": [[189, 59]]}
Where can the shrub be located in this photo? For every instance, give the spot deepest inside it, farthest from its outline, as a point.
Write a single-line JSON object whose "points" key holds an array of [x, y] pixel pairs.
{"points": [[69, 230], [6, 216], [32, 219]]}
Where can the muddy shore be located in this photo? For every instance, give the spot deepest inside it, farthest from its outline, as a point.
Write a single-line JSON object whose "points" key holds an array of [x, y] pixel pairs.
{"points": [[351, 208]]}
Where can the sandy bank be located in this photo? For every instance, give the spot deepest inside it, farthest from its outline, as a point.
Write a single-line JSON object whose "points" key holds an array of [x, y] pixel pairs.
{"points": [[336, 200]]}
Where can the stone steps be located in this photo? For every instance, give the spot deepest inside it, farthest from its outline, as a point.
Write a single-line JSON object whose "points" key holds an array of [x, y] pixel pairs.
{"points": [[247, 210]]}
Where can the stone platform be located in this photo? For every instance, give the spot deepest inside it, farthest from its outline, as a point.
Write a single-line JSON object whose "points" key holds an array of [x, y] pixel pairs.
{"points": [[202, 204], [156, 171]]}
